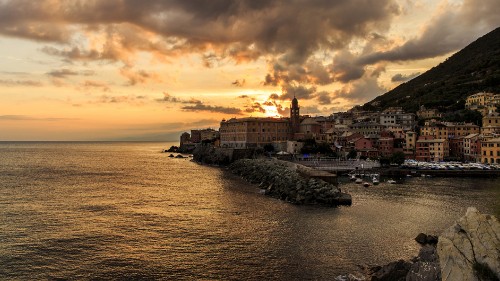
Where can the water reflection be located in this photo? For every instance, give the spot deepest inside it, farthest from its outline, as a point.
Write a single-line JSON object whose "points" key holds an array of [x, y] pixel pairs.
{"points": [[126, 211]]}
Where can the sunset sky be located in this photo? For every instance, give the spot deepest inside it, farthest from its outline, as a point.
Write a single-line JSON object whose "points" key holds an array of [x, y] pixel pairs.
{"points": [[149, 70]]}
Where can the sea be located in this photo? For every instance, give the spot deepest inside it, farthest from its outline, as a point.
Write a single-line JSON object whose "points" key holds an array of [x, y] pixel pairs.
{"points": [[126, 211]]}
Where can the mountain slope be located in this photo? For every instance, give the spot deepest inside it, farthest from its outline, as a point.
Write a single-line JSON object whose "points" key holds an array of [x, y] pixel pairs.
{"points": [[474, 69]]}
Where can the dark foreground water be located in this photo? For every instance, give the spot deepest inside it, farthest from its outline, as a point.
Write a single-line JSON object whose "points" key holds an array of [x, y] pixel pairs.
{"points": [[126, 211]]}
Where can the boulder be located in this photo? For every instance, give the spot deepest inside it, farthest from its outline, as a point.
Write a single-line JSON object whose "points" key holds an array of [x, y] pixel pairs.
{"points": [[426, 266], [394, 271], [421, 238], [472, 243]]}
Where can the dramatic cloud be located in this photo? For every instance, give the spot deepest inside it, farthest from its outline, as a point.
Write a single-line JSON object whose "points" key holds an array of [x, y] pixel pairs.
{"points": [[361, 90], [140, 76], [289, 33], [324, 98], [450, 29], [212, 108], [403, 78], [255, 107], [172, 99]]}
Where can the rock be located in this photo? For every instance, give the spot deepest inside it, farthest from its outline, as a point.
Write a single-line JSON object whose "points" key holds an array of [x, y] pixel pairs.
{"points": [[171, 155], [424, 271], [426, 266], [432, 239], [427, 254], [394, 271], [421, 238], [284, 181], [472, 242]]}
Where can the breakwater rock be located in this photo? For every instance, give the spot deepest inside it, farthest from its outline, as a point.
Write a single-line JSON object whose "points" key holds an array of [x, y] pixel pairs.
{"points": [[470, 249], [291, 182]]}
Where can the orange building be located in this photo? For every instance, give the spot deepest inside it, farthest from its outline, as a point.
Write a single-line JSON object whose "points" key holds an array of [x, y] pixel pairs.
{"points": [[253, 131]]}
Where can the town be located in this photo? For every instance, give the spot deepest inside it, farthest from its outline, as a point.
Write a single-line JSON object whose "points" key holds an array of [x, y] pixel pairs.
{"points": [[391, 135]]}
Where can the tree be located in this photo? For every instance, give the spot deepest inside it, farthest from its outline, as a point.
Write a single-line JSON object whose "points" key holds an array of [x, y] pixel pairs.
{"points": [[352, 154], [397, 158], [268, 148]]}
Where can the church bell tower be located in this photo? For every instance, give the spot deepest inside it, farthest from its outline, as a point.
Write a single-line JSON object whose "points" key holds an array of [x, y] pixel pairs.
{"points": [[295, 116]]}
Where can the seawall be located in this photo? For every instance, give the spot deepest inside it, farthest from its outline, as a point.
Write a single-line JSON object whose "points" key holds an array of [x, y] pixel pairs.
{"points": [[291, 182]]}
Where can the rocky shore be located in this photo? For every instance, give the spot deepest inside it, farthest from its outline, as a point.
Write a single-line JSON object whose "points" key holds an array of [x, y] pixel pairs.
{"points": [[468, 250], [289, 182]]}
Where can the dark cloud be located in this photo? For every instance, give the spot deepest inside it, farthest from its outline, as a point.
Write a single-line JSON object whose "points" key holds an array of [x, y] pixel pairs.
{"points": [[362, 90], [172, 99], [403, 78], [451, 29], [245, 30], [89, 84], [239, 83], [62, 73], [300, 92], [255, 107], [139, 76], [212, 108], [324, 98], [29, 83]]}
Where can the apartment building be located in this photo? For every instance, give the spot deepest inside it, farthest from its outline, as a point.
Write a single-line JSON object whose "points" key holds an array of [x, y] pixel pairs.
{"points": [[490, 151]]}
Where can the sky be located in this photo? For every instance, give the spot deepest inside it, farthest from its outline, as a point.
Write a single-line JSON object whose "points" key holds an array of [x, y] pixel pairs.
{"points": [[151, 69]]}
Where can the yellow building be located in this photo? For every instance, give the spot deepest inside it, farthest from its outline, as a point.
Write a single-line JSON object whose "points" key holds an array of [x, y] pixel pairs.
{"points": [[480, 99], [435, 129], [491, 124], [253, 131], [483, 102], [448, 130], [490, 151], [456, 130], [410, 144]]}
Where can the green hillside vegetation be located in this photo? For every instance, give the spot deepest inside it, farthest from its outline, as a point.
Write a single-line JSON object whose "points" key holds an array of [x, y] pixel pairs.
{"points": [[476, 68]]}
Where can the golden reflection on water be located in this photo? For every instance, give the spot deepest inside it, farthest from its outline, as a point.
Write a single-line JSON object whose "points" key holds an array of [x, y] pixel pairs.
{"points": [[126, 211]]}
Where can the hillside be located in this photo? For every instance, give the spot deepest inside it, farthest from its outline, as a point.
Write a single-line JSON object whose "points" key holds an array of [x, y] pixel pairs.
{"points": [[474, 69]]}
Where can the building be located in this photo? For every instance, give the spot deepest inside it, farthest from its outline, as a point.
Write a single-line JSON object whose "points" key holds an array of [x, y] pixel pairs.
{"points": [[396, 116], [294, 147], [367, 128], [253, 131], [185, 139], [490, 151], [410, 144], [481, 99], [434, 129], [424, 113], [472, 148], [294, 117], [491, 124], [457, 148], [430, 149], [457, 130]]}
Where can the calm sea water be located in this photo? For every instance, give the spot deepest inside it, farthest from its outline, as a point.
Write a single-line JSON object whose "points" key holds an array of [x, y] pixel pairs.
{"points": [[127, 211]]}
